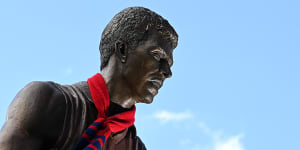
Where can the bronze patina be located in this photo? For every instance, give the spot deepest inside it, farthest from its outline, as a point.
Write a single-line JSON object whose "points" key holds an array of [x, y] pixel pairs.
{"points": [[136, 56]]}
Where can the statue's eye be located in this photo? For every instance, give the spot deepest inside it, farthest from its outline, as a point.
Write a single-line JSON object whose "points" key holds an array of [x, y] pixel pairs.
{"points": [[157, 55]]}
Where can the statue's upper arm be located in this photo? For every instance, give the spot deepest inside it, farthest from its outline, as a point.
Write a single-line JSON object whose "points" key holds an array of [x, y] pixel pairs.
{"points": [[28, 104], [30, 116], [139, 144]]}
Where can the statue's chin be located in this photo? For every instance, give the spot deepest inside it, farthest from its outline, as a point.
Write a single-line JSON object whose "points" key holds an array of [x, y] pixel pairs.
{"points": [[148, 99]]}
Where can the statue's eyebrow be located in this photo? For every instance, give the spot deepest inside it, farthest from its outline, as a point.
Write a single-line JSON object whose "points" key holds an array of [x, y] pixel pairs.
{"points": [[164, 54]]}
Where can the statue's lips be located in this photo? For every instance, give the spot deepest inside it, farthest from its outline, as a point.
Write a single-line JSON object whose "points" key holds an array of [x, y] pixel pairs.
{"points": [[156, 85]]}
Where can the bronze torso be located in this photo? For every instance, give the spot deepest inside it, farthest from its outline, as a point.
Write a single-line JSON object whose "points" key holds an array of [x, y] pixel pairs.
{"points": [[80, 112]]}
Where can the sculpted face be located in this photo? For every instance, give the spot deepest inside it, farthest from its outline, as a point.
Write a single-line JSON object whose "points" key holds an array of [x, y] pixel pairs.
{"points": [[148, 66]]}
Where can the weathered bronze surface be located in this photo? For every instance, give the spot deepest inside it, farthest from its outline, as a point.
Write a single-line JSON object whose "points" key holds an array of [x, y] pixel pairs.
{"points": [[136, 56]]}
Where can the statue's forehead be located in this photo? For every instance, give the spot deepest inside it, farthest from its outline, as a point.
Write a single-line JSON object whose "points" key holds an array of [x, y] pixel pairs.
{"points": [[156, 39]]}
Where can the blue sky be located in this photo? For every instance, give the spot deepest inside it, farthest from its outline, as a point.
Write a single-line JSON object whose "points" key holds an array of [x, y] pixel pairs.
{"points": [[235, 83]]}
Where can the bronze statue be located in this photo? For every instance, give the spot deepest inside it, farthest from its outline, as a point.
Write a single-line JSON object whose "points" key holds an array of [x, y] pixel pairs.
{"points": [[136, 56]]}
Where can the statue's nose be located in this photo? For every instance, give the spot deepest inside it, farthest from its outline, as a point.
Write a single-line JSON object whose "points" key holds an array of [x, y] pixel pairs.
{"points": [[168, 74], [166, 70]]}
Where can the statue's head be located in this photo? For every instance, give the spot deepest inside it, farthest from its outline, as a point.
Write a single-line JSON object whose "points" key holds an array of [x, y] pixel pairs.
{"points": [[142, 43]]}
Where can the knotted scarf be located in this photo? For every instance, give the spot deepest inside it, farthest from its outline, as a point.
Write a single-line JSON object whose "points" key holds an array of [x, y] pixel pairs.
{"points": [[97, 133]]}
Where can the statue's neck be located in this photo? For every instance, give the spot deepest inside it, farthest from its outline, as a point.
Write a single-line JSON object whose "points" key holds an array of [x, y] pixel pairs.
{"points": [[118, 89], [116, 109]]}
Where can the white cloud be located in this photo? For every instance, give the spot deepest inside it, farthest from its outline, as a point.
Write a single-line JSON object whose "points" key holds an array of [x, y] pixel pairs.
{"points": [[214, 134], [166, 116], [185, 142], [221, 143], [217, 138], [68, 71], [231, 143]]}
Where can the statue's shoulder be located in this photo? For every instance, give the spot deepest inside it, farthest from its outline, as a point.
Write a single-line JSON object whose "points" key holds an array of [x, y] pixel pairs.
{"points": [[39, 92], [43, 87], [34, 104], [37, 112], [50, 91]]}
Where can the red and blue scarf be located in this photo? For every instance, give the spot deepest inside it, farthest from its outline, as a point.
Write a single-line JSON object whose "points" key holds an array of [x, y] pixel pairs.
{"points": [[97, 133]]}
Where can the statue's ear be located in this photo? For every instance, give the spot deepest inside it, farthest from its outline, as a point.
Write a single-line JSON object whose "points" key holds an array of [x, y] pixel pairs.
{"points": [[121, 50]]}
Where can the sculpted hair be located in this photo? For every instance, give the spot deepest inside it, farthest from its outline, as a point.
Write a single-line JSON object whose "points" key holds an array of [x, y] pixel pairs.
{"points": [[130, 26]]}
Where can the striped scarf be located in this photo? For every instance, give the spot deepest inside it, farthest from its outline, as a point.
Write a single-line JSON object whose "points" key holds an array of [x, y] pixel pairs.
{"points": [[97, 133]]}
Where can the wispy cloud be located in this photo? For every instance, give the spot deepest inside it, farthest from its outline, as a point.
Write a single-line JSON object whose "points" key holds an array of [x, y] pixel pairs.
{"points": [[165, 116], [221, 143], [217, 138], [185, 141], [231, 143], [214, 134], [68, 71]]}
